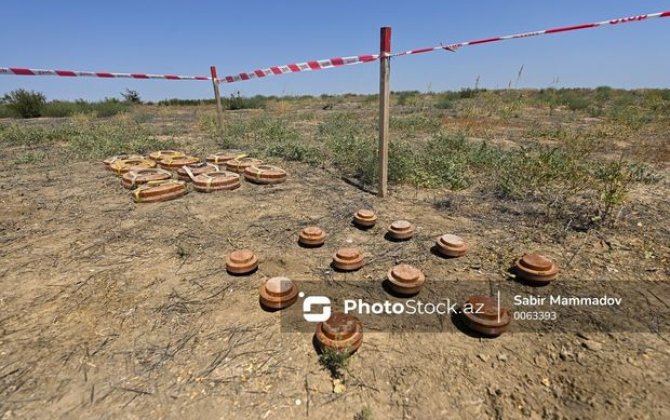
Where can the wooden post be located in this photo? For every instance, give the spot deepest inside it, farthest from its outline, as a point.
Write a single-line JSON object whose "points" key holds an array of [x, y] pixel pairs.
{"points": [[384, 98], [217, 97]]}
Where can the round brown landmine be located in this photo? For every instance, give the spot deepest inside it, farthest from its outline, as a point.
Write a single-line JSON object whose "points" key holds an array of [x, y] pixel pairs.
{"points": [[278, 293], [137, 177], [121, 166], [365, 218], [451, 245], [536, 268], [405, 279], [242, 261], [341, 332], [265, 174], [155, 191], [165, 154], [197, 169], [480, 314], [174, 163], [216, 181], [240, 164], [223, 156], [348, 259], [312, 236], [401, 230], [108, 162]]}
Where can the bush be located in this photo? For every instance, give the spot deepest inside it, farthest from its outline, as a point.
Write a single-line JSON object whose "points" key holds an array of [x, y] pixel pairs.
{"points": [[25, 104], [4, 111], [236, 102], [106, 108], [131, 96], [444, 103], [59, 109]]}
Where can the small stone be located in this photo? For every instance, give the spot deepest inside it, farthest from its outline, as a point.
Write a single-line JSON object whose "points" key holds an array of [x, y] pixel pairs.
{"points": [[502, 357], [565, 354], [592, 345], [484, 357], [338, 386], [583, 335], [298, 402], [546, 382]]}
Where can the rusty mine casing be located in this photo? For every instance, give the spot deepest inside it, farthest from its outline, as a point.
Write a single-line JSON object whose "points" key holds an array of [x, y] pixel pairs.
{"points": [[216, 181], [110, 160], [488, 321], [312, 236], [121, 166], [137, 177], [340, 332], [405, 279], [348, 259], [223, 156], [401, 230], [238, 165], [242, 261], [536, 268], [174, 163], [165, 154], [451, 245], [196, 169], [278, 293], [155, 191], [365, 218], [265, 174]]}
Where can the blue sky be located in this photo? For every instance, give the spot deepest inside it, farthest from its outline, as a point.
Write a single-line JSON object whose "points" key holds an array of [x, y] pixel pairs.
{"points": [[187, 37]]}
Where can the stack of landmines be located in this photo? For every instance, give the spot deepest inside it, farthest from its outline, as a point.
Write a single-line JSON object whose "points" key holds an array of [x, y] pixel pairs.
{"points": [[163, 175]]}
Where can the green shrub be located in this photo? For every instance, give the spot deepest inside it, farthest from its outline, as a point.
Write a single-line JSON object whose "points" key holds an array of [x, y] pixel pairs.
{"points": [[109, 107], [293, 151], [85, 139], [31, 157], [444, 103], [131, 96], [407, 97], [106, 108], [4, 111], [235, 102], [59, 109], [25, 104]]}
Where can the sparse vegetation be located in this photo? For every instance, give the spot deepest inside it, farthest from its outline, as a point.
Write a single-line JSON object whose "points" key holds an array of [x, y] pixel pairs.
{"points": [[364, 414], [335, 361], [86, 138], [131, 96], [31, 157], [25, 104], [106, 108], [569, 177]]}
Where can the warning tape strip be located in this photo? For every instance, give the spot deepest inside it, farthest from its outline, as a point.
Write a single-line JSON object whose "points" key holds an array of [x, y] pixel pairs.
{"points": [[298, 67], [456, 46], [325, 63], [19, 71]]}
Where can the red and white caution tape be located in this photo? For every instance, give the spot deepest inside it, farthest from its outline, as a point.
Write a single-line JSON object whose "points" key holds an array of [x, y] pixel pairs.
{"points": [[323, 64], [18, 71], [298, 67], [454, 47]]}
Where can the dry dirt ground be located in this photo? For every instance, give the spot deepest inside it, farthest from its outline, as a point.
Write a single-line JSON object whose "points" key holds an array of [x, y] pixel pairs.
{"points": [[110, 309]]}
